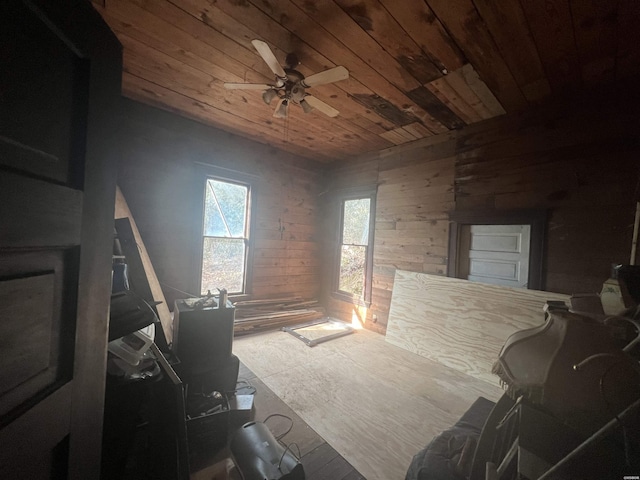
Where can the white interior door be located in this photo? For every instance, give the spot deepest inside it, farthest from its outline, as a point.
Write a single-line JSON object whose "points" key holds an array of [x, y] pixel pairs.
{"points": [[496, 254]]}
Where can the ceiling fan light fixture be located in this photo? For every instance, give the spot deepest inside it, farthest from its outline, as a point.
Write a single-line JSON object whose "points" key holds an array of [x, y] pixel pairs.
{"points": [[305, 106], [269, 95], [281, 111]]}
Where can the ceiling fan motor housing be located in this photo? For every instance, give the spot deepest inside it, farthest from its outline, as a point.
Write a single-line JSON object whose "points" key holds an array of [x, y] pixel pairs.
{"points": [[293, 87]]}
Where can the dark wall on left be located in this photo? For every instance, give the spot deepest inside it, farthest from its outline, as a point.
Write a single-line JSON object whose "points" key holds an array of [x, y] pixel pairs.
{"points": [[161, 164]]}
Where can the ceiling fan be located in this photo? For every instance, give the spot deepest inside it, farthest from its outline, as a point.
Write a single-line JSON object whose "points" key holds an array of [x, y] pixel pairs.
{"points": [[290, 85]]}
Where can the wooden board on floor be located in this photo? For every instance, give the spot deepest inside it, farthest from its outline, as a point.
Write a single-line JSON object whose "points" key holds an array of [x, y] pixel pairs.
{"points": [[122, 211], [458, 323]]}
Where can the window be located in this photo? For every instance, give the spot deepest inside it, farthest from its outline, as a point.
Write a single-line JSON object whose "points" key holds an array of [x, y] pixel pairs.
{"points": [[225, 241], [354, 256]]}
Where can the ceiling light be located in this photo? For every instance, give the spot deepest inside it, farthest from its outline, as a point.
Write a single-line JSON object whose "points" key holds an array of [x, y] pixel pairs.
{"points": [[269, 95], [305, 106], [281, 111]]}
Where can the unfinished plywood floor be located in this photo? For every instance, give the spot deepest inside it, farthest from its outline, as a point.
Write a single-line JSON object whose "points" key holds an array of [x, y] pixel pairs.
{"points": [[375, 403], [320, 460]]}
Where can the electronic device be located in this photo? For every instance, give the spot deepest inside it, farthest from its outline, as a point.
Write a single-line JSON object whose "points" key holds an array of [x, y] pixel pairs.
{"points": [[202, 332], [259, 456], [207, 422]]}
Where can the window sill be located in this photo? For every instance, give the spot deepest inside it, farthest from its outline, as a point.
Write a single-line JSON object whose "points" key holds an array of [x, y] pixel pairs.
{"points": [[344, 297], [239, 297]]}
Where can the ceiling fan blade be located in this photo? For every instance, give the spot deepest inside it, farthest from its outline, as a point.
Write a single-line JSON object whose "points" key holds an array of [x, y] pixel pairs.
{"points": [[269, 58], [328, 76], [321, 106], [247, 86]]}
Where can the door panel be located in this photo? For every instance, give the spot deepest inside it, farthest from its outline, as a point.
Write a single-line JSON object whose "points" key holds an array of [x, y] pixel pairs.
{"points": [[59, 88], [38, 213], [25, 339], [38, 297], [44, 90], [496, 254]]}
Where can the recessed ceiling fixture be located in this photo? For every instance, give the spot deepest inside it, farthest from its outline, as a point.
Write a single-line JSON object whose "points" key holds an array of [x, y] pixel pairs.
{"points": [[290, 85]]}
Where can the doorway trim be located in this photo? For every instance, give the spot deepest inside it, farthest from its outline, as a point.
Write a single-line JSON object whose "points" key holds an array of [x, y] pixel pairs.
{"points": [[537, 219]]}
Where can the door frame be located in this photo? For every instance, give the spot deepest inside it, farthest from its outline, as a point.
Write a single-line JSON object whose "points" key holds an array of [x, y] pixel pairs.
{"points": [[535, 218]]}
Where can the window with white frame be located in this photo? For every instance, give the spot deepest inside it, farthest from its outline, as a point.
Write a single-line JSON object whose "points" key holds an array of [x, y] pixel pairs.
{"points": [[353, 271], [225, 236]]}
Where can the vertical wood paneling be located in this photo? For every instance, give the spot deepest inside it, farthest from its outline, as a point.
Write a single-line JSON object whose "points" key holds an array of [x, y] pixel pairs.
{"points": [[583, 169], [578, 162], [415, 194]]}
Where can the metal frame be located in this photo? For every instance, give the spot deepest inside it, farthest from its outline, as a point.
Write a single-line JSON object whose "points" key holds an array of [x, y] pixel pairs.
{"points": [[348, 329]]}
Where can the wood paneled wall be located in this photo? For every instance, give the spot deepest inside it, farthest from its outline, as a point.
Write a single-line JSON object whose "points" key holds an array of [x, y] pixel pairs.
{"points": [[160, 175], [579, 162]]}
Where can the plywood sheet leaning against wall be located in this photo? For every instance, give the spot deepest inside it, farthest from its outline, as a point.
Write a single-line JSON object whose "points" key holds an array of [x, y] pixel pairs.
{"points": [[458, 323], [122, 211]]}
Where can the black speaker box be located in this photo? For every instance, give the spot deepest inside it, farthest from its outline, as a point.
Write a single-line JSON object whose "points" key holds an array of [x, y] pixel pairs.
{"points": [[207, 432], [221, 377], [202, 336]]}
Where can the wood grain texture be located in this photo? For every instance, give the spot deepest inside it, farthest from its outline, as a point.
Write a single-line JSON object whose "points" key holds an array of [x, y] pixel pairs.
{"points": [[67, 222], [442, 89], [373, 18], [159, 151], [27, 310], [577, 159], [122, 211], [414, 195], [319, 459], [468, 29], [420, 23], [555, 42], [458, 323], [54, 218], [178, 53], [375, 403], [510, 30], [253, 23], [28, 434], [481, 90]]}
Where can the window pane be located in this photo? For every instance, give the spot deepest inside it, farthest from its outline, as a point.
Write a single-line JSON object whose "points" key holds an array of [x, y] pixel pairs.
{"points": [[213, 224], [352, 267], [355, 228], [225, 209], [222, 264]]}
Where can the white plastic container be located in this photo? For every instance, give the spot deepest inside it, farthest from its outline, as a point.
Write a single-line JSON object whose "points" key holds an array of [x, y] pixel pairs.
{"points": [[131, 348]]}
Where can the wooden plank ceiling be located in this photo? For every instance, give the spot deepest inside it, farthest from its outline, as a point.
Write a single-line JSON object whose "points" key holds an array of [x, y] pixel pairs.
{"points": [[417, 68]]}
